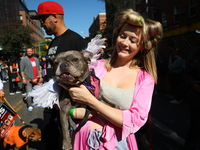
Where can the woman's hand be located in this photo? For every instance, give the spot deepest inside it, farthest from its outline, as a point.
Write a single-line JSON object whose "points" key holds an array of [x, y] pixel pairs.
{"points": [[78, 94]]}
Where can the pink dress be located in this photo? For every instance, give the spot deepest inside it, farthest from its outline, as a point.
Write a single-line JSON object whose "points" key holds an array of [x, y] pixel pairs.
{"points": [[133, 118]]}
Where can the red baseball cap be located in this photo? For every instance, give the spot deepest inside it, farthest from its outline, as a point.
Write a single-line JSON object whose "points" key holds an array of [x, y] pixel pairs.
{"points": [[48, 7]]}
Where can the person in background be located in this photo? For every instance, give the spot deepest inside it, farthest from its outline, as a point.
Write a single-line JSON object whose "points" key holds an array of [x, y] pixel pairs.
{"points": [[127, 79], [1, 66], [171, 47], [13, 72], [23, 89], [51, 16], [29, 70], [4, 68], [175, 76], [43, 65], [1, 88], [36, 56]]}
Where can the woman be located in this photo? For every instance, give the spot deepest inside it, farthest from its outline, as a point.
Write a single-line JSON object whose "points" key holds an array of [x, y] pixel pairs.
{"points": [[127, 79], [13, 73]]}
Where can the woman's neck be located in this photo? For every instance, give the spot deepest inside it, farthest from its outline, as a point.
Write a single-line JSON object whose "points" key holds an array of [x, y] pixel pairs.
{"points": [[122, 63]]}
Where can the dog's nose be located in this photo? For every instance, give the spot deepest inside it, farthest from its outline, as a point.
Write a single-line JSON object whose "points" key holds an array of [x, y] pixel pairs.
{"points": [[63, 65]]}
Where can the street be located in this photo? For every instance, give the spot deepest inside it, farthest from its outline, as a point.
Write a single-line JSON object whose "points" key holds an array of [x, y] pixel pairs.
{"points": [[34, 118], [167, 130]]}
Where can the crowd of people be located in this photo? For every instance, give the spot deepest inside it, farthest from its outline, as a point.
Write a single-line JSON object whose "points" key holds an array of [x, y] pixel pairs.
{"points": [[10, 69]]}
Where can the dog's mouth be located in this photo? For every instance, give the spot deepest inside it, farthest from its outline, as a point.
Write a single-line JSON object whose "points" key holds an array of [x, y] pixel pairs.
{"points": [[67, 78], [67, 74]]}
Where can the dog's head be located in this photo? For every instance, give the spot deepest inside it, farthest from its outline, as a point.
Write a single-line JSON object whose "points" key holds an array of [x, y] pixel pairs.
{"points": [[71, 67], [34, 134]]}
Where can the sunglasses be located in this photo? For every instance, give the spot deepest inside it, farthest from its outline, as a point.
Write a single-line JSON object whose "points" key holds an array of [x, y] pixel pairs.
{"points": [[42, 20]]}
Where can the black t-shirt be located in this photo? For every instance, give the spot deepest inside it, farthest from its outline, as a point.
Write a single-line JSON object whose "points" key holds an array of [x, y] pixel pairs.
{"points": [[69, 40]]}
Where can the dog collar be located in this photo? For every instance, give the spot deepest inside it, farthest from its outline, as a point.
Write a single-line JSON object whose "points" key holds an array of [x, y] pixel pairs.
{"points": [[91, 88], [92, 83]]}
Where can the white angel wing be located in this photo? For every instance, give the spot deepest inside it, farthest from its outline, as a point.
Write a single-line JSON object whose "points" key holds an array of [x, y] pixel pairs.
{"points": [[95, 46]]}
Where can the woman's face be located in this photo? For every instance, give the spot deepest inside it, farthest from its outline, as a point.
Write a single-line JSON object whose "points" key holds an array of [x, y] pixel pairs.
{"points": [[128, 42]]}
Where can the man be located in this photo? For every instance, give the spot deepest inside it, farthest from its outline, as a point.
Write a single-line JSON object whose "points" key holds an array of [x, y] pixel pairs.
{"points": [[29, 69], [51, 15]]}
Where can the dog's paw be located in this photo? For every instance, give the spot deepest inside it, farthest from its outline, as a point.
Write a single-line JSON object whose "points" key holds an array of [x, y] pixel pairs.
{"points": [[66, 147]]}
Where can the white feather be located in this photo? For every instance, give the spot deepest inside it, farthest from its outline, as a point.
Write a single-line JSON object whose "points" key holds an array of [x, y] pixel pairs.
{"points": [[95, 46]]}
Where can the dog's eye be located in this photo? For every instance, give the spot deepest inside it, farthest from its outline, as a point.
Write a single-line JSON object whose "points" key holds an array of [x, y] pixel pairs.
{"points": [[75, 59]]}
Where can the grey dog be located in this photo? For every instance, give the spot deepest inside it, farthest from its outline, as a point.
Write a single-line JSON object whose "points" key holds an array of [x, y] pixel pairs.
{"points": [[71, 68]]}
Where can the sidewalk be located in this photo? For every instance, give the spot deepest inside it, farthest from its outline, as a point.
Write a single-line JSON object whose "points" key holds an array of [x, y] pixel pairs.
{"points": [[170, 123]]}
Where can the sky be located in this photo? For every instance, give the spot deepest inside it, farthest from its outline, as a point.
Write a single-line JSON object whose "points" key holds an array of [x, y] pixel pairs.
{"points": [[79, 14]]}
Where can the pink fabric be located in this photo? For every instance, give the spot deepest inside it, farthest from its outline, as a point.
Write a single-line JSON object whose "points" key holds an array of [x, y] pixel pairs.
{"points": [[133, 118], [96, 83]]}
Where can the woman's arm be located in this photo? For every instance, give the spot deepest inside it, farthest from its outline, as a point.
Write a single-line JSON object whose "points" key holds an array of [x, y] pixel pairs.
{"points": [[82, 95], [133, 118]]}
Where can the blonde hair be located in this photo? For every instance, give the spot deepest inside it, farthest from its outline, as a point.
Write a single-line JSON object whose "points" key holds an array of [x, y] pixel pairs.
{"points": [[151, 34]]}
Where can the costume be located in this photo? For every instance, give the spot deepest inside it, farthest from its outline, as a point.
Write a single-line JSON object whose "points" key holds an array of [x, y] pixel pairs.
{"points": [[133, 118], [13, 136]]}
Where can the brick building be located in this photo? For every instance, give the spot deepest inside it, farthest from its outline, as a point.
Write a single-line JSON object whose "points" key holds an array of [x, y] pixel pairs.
{"points": [[16, 10], [98, 25], [180, 19]]}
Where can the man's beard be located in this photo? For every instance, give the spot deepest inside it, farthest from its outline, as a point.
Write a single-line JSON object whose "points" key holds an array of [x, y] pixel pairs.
{"points": [[50, 30], [30, 55]]}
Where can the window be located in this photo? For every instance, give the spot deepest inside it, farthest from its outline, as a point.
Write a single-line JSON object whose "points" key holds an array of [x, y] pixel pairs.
{"points": [[164, 19], [20, 17], [192, 7], [176, 13]]}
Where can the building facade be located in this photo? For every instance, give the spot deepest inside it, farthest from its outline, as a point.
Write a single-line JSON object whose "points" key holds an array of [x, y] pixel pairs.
{"points": [[98, 25], [16, 10], [179, 19]]}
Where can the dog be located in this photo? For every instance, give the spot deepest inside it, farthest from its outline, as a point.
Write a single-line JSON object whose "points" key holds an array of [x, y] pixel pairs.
{"points": [[71, 68], [19, 136]]}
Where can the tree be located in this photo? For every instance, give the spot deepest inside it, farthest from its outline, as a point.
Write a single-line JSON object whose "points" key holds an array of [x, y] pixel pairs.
{"points": [[42, 47], [13, 37]]}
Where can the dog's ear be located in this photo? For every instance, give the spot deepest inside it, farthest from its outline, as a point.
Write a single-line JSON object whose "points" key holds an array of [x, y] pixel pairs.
{"points": [[87, 55]]}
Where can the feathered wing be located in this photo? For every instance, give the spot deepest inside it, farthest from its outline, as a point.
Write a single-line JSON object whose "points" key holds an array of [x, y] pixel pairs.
{"points": [[95, 46]]}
